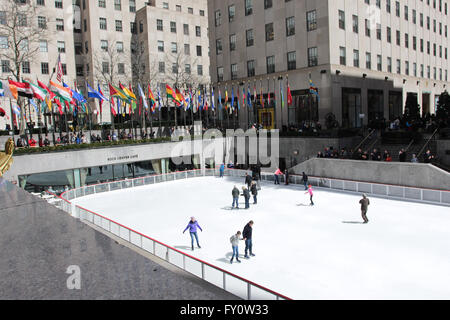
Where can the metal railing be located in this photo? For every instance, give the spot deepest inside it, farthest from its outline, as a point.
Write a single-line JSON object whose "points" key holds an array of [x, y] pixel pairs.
{"points": [[226, 280]]}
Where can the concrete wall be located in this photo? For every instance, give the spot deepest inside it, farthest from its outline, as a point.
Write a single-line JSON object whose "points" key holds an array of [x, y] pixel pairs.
{"points": [[404, 174], [442, 147]]}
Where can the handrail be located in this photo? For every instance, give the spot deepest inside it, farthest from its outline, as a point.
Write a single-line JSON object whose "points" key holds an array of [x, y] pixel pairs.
{"points": [[371, 145], [362, 142], [409, 146], [426, 143]]}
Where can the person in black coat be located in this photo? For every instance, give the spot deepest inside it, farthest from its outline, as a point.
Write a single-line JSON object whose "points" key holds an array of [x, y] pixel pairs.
{"points": [[248, 180], [254, 191], [247, 236], [305, 180]]}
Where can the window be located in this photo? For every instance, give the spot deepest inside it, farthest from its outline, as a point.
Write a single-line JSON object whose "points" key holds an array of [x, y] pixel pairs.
{"points": [[121, 68], [104, 45], [355, 24], [4, 42], [186, 29], [61, 46], [159, 25], [198, 31], [389, 64], [399, 66], [199, 51], [190, 10], [103, 25], [173, 27], [119, 46], [105, 67], [78, 48], [231, 13], [388, 35], [160, 46], [42, 22], [341, 15], [21, 20], [269, 32], [202, 13], [132, 5], [311, 20], [60, 24], [379, 63], [290, 26], [356, 58], [187, 68], [248, 7], [267, 4], [26, 67], [173, 47], [58, 4], [119, 26], [251, 68], [40, 2], [199, 70], [133, 28], [79, 70], [43, 46], [44, 68], [117, 5], [270, 62], [218, 18], [407, 68], [232, 42], [249, 37], [312, 57], [406, 40], [5, 66], [161, 67], [187, 49], [3, 17], [368, 60], [367, 28], [292, 60], [220, 74], [102, 3], [342, 56], [378, 31], [178, 8]]}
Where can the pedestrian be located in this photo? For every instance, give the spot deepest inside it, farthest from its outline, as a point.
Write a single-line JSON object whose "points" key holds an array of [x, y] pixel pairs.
{"points": [[248, 180], [192, 226], [235, 194], [235, 246], [414, 159], [247, 235], [221, 170], [277, 173], [286, 177], [364, 207], [310, 191], [305, 180], [254, 190], [246, 195]]}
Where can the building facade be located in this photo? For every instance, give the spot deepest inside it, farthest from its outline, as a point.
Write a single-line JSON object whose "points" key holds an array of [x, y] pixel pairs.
{"points": [[362, 57]]}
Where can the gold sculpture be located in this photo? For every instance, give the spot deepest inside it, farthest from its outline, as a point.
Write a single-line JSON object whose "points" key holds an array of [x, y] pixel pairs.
{"points": [[6, 158]]}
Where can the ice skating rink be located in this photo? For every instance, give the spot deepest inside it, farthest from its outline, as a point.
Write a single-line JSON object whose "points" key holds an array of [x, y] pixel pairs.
{"points": [[303, 252]]}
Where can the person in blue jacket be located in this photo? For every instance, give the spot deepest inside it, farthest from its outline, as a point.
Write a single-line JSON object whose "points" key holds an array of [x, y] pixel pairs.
{"points": [[222, 170], [192, 226]]}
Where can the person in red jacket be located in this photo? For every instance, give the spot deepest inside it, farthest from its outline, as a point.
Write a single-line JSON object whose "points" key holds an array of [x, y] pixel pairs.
{"points": [[277, 173], [32, 143]]}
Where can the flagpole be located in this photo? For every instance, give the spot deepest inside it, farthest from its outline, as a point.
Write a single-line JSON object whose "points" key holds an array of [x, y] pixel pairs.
{"points": [[12, 118]]}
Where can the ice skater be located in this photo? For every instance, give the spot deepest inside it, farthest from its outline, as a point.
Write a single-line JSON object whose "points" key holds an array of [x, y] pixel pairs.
{"points": [[248, 180], [276, 176], [254, 191], [286, 177], [221, 170], [305, 180], [192, 226], [235, 194], [311, 194], [235, 246], [246, 195], [247, 235], [364, 207]]}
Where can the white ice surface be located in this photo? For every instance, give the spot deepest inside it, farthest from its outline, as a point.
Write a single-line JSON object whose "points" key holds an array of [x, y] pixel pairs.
{"points": [[301, 251]]}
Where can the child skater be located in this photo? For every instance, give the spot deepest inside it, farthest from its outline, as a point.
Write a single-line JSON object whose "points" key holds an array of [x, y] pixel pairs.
{"points": [[310, 191]]}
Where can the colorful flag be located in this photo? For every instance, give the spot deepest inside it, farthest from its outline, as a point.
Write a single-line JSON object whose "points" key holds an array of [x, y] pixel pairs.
{"points": [[249, 96], [289, 95], [180, 98], [38, 92], [23, 89], [60, 91], [59, 73], [171, 94], [117, 93], [159, 99], [213, 106], [226, 99], [144, 98], [8, 90], [220, 100], [282, 94], [49, 92], [313, 89]]}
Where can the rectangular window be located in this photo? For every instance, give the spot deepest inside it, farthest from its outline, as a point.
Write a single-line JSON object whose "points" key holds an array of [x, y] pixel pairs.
{"points": [[248, 7], [311, 20], [341, 15], [102, 22], [342, 56], [269, 32], [232, 42], [59, 24], [119, 26], [355, 24], [292, 60], [44, 68], [231, 13], [234, 71], [356, 58], [270, 62], [312, 57], [251, 68], [290, 26], [249, 37]]}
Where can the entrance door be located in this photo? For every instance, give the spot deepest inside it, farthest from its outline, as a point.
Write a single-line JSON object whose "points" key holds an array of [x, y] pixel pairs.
{"points": [[425, 103], [267, 118]]}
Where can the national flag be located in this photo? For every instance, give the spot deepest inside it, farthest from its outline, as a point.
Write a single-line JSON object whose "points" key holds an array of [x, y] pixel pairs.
{"points": [[144, 98], [23, 89], [8, 90], [117, 93], [213, 106], [33, 103], [58, 103], [38, 92], [289, 95], [59, 73], [171, 94], [60, 91], [313, 89], [128, 92], [238, 100], [151, 96], [249, 96], [159, 99], [220, 100], [16, 109], [95, 94], [226, 99], [232, 98], [282, 94], [180, 98], [49, 92], [76, 95]]}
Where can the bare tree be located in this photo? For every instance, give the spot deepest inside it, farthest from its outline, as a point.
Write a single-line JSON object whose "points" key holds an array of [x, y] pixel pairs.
{"points": [[181, 74], [20, 33]]}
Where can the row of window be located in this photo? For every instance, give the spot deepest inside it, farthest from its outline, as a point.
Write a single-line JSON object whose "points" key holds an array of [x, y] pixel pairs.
{"points": [[379, 65], [441, 4], [26, 69], [58, 3]]}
